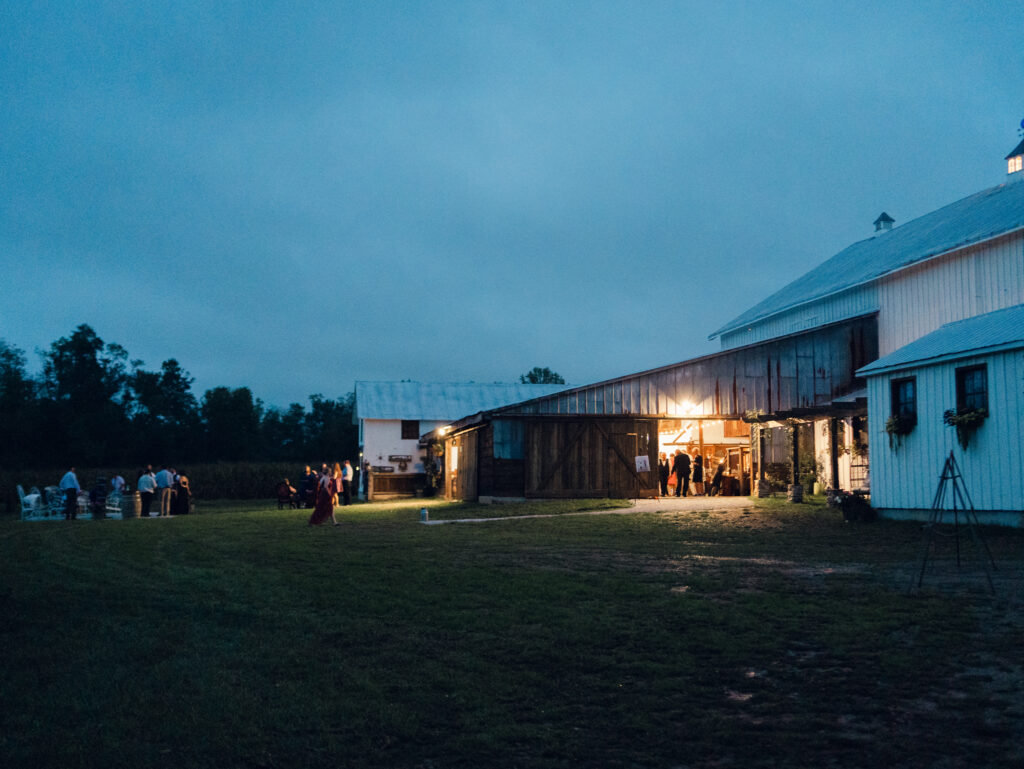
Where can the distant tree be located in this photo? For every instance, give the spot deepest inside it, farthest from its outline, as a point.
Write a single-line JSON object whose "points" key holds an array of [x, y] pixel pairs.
{"points": [[231, 424], [18, 407], [165, 413], [85, 398], [283, 433], [538, 375], [331, 433]]}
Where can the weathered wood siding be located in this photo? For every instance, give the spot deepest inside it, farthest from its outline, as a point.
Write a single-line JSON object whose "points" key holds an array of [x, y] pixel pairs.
{"points": [[992, 465], [854, 302], [497, 477], [970, 282], [589, 457], [801, 371], [462, 484]]}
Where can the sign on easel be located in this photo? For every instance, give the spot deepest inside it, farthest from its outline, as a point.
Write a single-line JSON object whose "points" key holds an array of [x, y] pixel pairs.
{"points": [[643, 464]]}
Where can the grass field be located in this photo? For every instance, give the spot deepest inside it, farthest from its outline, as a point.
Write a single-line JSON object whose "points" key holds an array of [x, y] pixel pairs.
{"points": [[777, 636]]}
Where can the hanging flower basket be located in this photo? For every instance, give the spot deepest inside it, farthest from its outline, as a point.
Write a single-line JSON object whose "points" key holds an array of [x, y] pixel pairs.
{"points": [[897, 426], [966, 421]]}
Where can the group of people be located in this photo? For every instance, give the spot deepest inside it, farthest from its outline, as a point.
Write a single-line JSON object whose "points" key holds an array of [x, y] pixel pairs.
{"points": [[171, 488], [323, 490], [681, 471]]}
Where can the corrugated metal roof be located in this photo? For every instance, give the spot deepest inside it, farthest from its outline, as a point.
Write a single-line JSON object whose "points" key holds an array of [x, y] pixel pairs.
{"points": [[979, 217], [999, 330], [441, 401]]}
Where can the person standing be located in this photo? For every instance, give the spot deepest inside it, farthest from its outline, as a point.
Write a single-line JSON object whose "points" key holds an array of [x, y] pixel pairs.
{"points": [[146, 487], [165, 486], [117, 484], [698, 475], [323, 508], [663, 472], [69, 485], [681, 467], [182, 496], [347, 475]]}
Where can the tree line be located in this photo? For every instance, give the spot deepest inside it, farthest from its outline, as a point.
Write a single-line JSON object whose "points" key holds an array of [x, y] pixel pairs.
{"points": [[93, 406]]}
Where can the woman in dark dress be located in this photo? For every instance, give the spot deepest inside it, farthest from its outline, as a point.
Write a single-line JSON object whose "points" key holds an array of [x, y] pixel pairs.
{"points": [[323, 508], [182, 503], [698, 475]]}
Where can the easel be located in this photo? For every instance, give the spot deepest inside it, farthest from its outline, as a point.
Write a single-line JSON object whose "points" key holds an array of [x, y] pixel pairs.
{"points": [[952, 480]]}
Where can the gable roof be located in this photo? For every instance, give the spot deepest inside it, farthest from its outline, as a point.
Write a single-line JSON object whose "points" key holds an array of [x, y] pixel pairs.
{"points": [[440, 401], [1018, 150], [991, 332], [979, 217]]}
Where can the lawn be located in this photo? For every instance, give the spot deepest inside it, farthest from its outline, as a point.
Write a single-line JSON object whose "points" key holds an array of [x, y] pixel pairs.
{"points": [[776, 636]]}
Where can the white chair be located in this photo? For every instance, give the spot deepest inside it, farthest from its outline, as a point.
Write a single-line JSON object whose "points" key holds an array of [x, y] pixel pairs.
{"points": [[54, 502], [114, 502], [31, 504]]}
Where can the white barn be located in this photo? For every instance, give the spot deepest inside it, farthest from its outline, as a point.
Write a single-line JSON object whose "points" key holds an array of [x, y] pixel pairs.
{"points": [[962, 261], [972, 364], [393, 415]]}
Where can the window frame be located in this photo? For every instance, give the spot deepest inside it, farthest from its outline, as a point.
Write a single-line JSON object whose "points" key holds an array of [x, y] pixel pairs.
{"points": [[410, 426], [976, 397], [899, 405]]}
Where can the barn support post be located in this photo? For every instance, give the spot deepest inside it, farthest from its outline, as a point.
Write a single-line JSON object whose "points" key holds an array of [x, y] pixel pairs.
{"points": [[764, 488], [833, 450], [796, 491]]}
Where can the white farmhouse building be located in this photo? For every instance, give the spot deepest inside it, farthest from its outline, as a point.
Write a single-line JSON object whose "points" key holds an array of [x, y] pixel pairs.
{"points": [[973, 365], [393, 415]]}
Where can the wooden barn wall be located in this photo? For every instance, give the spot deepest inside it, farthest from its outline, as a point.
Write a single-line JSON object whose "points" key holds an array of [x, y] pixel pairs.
{"points": [[971, 282], [992, 465], [589, 458], [497, 477], [800, 371], [857, 301], [464, 483]]}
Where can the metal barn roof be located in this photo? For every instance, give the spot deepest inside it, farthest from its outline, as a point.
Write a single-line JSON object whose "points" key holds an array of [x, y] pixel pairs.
{"points": [[440, 401], [979, 217], [991, 332]]}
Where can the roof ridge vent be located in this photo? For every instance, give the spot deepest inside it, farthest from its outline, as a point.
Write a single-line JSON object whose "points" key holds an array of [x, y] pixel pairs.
{"points": [[884, 222]]}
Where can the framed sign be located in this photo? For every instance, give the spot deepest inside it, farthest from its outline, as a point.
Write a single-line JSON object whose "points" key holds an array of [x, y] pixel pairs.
{"points": [[399, 458], [643, 464], [383, 469]]}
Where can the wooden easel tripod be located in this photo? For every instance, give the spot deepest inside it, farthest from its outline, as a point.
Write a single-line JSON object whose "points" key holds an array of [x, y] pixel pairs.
{"points": [[952, 482]]}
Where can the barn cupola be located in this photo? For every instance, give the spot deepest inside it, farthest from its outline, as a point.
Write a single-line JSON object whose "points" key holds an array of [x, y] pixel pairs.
{"points": [[884, 222], [1015, 160]]}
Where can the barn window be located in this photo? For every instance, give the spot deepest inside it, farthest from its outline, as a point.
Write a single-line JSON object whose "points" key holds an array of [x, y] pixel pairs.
{"points": [[904, 397], [1015, 164], [972, 388], [410, 429], [508, 439]]}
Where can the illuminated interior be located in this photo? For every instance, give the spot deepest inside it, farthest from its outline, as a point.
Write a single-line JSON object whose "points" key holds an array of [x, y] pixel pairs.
{"points": [[1015, 164]]}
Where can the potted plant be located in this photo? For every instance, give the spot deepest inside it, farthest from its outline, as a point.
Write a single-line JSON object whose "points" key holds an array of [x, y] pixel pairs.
{"points": [[897, 426], [966, 420]]}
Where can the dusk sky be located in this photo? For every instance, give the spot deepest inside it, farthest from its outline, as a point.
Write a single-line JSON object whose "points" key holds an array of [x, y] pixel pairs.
{"points": [[293, 196]]}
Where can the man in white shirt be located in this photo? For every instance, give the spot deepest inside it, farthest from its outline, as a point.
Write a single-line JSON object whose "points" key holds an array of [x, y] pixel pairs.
{"points": [[146, 486], [165, 484], [117, 484], [69, 485]]}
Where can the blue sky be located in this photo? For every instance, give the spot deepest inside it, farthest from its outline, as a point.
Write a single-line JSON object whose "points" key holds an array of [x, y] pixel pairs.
{"points": [[294, 196]]}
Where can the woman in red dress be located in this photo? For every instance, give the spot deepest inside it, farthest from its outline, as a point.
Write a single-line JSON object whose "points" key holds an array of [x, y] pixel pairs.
{"points": [[324, 506]]}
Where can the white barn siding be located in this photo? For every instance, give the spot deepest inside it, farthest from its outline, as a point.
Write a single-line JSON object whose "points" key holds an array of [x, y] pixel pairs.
{"points": [[974, 281], [853, 303], [904, 481]]}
